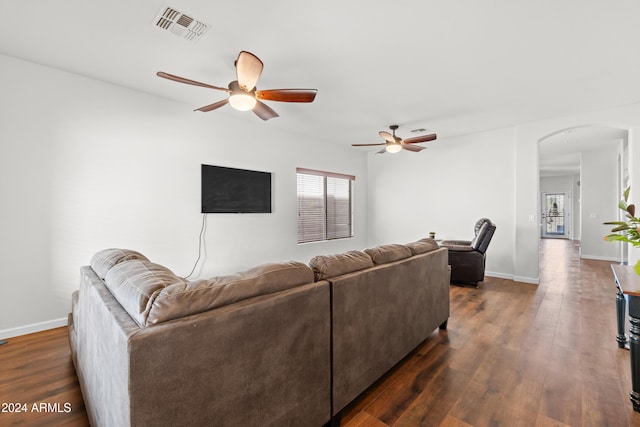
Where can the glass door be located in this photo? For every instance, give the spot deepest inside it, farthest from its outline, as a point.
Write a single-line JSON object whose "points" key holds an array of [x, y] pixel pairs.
{"points": [[554, 215]]}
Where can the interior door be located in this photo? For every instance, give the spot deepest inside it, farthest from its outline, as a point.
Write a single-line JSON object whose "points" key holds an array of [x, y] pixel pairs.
{"points": [[555, 215]]}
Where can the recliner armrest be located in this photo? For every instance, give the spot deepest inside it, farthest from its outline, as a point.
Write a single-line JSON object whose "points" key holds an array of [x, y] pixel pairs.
{"points": [[458, 248], [455, 242]]}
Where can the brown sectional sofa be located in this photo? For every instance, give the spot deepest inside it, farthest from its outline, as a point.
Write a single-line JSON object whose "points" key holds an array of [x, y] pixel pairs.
{"points": [[384, 301], [282, 344], [251, 349]]}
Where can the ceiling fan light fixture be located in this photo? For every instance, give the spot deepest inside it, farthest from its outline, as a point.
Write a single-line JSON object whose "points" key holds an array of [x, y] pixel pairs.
{"points": [[242, 93], [394, 147], [242, 101]]}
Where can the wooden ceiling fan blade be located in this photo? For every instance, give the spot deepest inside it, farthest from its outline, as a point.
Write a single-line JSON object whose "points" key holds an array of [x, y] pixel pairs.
{"points": [[414, 148], [248, 70], [387, 136], [368, 145], [418, 139], [213, 106], [263, 111], [287, 95], [384, 150], [188, 81]]}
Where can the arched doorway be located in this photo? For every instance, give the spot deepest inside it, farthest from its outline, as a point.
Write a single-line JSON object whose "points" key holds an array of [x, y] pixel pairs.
{"points": [[580, 169]]}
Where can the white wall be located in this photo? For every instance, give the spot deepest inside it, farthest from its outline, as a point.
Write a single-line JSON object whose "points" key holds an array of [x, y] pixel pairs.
{"points": [[575, 208], [599, 201], [86, 165], [446, 189]]}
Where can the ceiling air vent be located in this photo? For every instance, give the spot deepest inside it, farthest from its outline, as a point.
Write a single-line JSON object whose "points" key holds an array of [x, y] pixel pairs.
{"points": [[180, 24]]}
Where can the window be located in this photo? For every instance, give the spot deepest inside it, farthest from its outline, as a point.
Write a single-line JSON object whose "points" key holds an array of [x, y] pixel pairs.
{"points": [[325, 208]]}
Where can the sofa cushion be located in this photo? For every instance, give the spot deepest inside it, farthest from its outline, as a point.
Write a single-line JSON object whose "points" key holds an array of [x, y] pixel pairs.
{"points": [[422, 246], [327, 266], [102, 261], [184, 298], [385, 254], [136, 283]]}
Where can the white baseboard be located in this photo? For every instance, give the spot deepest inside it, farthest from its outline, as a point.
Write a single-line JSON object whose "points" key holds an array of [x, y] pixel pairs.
{"points": [[599, 258], [498, 275], [533, 280], [34, 327]]}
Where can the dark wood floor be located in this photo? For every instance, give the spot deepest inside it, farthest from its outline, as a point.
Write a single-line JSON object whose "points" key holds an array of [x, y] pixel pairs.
{"points": [[514, 354], [36, 369]]}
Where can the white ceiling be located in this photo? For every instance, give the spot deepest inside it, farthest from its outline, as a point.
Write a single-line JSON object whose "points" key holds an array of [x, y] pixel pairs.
{"points": [[451, 67]]}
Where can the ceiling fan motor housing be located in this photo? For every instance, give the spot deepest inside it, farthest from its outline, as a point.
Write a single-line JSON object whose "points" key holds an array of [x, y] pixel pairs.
{"points": [[240, 99]]}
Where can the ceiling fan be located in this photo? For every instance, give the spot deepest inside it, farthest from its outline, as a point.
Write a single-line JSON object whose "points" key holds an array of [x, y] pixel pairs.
{"points": [[243, 94], [395, 144]]}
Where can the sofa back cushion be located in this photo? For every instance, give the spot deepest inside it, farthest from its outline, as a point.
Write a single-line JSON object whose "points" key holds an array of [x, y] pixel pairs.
{"points": [[104, 260], [422, 246], [136, 283], [327, 266], [152, 294], [385, 254], [183, 299]]}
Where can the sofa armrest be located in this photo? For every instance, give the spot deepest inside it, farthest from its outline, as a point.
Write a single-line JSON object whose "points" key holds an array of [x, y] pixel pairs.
{"points": [[455, 242]]}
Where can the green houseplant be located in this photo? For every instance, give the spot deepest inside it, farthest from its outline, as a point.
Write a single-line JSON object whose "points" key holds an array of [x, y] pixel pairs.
{"points": [[626, 231]]}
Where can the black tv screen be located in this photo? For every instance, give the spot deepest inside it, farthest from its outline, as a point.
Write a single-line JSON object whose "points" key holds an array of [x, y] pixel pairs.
{"points": [[229, 190]]}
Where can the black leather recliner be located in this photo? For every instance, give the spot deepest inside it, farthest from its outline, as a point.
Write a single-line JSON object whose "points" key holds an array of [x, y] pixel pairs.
{"points": [[467, 258]]}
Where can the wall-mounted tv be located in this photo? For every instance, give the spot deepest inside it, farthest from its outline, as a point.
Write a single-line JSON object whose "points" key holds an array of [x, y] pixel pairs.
{"points": [[230, 190]]}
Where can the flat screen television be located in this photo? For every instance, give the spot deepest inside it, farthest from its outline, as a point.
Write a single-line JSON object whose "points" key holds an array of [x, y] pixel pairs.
{"points": [[230, 190]]}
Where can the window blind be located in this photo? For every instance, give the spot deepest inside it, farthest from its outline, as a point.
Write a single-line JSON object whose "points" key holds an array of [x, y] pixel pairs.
{"points": [[324, 206], [311, 223], [338, 208]]}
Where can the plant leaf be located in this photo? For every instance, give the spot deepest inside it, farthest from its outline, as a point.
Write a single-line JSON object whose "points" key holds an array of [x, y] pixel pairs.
{"points": [[631, 209], [626, 193], [616, 237]]}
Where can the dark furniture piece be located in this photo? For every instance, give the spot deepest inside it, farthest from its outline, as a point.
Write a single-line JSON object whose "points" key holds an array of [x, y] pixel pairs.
{"points": [[467, 258], [628, 284]]}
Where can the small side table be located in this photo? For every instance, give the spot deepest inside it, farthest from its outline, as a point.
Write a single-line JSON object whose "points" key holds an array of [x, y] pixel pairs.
{"points": [[628, 285]]}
